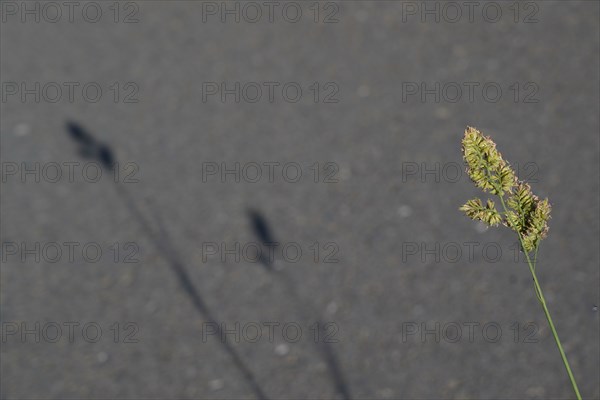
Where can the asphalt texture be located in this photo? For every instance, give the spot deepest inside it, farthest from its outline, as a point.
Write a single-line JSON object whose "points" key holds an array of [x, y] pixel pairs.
{"points": [[377, 287]]}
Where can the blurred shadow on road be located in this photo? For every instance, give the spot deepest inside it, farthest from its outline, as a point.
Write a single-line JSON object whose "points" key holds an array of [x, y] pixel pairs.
{"points": [[91, 148], [263, 232]]}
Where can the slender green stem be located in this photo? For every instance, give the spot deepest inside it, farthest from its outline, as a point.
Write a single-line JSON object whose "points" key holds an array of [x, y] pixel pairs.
{"points": [[542, 301], [554, 333], [534, 265]]}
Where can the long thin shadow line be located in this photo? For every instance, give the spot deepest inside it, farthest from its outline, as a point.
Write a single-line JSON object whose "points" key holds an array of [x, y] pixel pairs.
{"points": [[166, 249], [163, 243], [262, 230], [325, 348]]}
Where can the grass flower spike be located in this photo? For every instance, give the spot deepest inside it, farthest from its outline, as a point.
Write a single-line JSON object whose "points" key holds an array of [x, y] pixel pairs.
{"points": [[485, 164], [488, 214], [522, 211]]}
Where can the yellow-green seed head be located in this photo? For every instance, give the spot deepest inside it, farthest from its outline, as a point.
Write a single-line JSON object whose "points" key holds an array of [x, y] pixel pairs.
{"points": [[525, 213], [476, 211], [485, 165]]}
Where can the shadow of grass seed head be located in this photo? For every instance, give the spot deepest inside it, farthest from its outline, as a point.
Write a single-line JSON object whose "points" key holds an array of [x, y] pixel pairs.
{"points": [[522, 211]]}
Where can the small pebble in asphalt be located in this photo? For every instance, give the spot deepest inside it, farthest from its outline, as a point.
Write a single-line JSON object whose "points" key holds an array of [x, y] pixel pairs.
{"points": [[102, 357], [331, 308], [282, 349], [480, 227], [364, 91], [404, 211], [22, 129], [216, 384]]}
